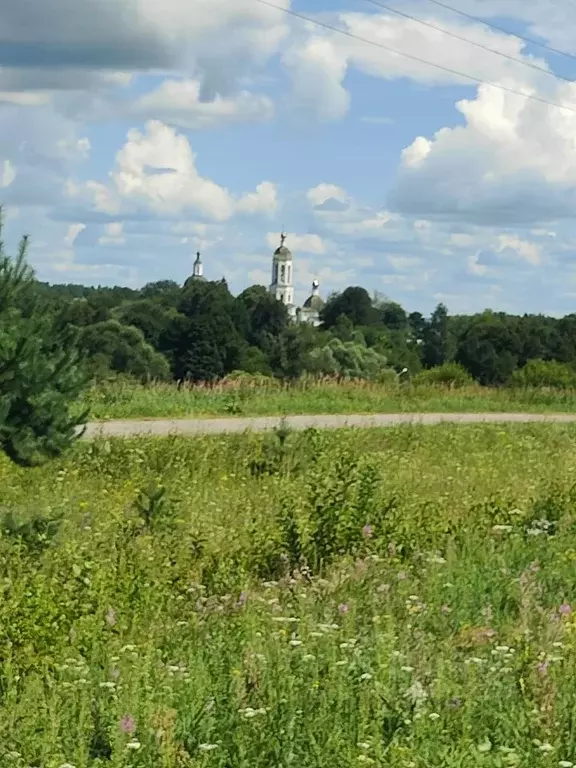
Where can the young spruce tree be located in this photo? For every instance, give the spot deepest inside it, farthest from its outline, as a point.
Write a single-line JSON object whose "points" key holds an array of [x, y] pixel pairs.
{"points": [[40, 369]]}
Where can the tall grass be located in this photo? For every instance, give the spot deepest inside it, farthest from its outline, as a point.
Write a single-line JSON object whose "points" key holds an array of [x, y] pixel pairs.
{"points": [[126, 400], [391, 598]]}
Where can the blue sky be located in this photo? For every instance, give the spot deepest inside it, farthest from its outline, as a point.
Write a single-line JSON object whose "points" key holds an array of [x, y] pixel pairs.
{"points": [[135, 132]]}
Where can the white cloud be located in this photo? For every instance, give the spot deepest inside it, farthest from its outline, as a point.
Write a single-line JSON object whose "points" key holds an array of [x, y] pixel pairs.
{"points": [[318, 62], [513, 161], [7, 174], [156, 170], [263, 200], [179, 102], [530, 252], [73, 231], [317, 69], [113, 234], [309, 243], [323, 192]]}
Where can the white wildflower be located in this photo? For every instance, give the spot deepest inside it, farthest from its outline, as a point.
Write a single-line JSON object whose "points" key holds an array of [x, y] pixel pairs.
{"points": [[207, 747]]}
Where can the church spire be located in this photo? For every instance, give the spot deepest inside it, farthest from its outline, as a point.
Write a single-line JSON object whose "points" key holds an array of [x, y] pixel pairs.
{"points": [[198, 266]]}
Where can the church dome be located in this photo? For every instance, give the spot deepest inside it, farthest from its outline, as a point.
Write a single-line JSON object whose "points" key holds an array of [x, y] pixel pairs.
{"points": [[314, 302], [282, 253]]}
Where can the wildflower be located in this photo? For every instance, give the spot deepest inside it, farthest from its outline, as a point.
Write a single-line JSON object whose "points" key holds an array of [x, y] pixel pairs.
{"points": [[407, 669], [566, 764], [445, 610], [111, 617], [134, 744], [363, 745], [434, 716], [108, 684], [67, 765], [455, 703], [368, 531], [543, 668], [207, 747], [501, 528], [416, 692], [366, 676], [546, 747], [343, 608], [565, 609], [295, 643], [242, 600], [127, 724], [486, 746]]}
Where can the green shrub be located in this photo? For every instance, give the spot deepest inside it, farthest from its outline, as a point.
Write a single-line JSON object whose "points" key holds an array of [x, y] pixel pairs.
{"points": [[544, 373], [449, 374]]}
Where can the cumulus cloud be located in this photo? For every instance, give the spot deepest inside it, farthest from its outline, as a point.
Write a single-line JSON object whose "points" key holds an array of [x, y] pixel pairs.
{"points": [[326, 193], [179, 102], [318, 62], [514, 161], [137, 35], [156, 170]]}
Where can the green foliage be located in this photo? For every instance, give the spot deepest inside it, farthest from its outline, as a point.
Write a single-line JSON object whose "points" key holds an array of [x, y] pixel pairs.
{"points": [[450, 374], [352, 359], [438, 629], [114, 347], [40, 369], [544, 373]]}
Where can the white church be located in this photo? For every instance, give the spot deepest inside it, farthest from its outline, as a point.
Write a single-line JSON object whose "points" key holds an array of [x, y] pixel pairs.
{"points": [[282, 286]]}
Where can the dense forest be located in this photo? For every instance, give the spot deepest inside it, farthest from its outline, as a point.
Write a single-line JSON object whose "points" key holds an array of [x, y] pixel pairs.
{"points": [[201, 332]]}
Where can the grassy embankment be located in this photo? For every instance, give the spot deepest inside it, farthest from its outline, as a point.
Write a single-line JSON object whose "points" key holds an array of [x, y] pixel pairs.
{"points": [[431, 628], [128, 401]]}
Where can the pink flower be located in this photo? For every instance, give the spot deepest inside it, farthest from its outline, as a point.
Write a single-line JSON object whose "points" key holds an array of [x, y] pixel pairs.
{"points": [[565, 609], [368, 531], [542, 668], [343, 608], [127, 725]]}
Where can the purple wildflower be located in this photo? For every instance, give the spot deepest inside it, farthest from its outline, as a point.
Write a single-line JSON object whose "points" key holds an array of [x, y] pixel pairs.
{"points": [[368, 531], [565, 609], [543, 668], [127, 725], [343, 608], [242, 600]]}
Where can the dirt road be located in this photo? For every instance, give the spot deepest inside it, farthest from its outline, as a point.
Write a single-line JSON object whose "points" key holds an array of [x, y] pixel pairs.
{"points": [[163, 427]]}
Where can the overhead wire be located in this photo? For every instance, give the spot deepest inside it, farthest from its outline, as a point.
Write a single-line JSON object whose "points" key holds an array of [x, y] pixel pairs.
{"points": [[491, 24], [468, 41], [389, 49]]}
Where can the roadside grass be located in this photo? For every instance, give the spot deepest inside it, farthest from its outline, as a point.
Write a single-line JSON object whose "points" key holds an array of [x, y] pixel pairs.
{"points": [[123, 400], [397, 597]]}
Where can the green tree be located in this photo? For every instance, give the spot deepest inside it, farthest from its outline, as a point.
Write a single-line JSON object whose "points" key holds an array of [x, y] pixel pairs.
{"points": [[41, 373], [355, 303], [490, 347], [439, 345], [266, 315], [151, 317], [112, 347]]}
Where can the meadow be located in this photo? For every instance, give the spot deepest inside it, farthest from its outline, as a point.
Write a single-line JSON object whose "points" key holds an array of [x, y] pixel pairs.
{"points": [[126, 400], [399, 598]]}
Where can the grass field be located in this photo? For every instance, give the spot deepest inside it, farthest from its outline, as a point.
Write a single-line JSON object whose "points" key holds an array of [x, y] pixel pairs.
{"points": [[127, 401], [395, 598]]}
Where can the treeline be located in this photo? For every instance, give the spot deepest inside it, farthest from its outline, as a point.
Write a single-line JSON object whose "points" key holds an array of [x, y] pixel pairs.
{"points": [[201, 332]]}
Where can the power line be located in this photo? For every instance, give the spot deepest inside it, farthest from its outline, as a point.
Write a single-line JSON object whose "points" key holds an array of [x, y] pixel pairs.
{"points": [[470, 42], [502, 29], [441, 67]]}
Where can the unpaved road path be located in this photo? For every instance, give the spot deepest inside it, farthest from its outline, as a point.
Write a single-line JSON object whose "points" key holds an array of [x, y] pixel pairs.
{"points": [[163, 427]]}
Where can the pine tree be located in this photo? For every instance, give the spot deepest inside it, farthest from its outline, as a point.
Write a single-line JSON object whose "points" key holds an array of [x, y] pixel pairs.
{"points": [[40, 369]]}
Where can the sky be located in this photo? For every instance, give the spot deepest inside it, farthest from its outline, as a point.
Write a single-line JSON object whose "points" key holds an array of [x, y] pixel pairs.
{"points": [[135, 132]]}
